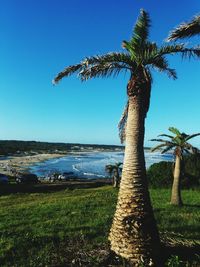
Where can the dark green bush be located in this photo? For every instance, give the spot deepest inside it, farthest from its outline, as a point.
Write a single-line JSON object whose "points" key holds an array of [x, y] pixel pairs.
{"points": [[191, 176], [161, 174]]}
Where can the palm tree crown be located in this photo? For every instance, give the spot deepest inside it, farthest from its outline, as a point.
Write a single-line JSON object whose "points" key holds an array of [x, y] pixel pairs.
{"points": [[139, 58], [186, 29], [178, 142]]}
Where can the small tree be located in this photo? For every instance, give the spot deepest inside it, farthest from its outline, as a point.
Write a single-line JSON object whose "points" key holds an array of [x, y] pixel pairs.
{"points": [[178, 143], [114, 171]]}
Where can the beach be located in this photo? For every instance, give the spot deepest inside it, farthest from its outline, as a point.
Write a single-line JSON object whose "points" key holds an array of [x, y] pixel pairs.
{"points": [[20, 163], [82, 164]]}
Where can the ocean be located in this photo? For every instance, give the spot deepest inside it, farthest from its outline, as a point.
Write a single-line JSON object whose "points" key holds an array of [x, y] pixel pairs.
{"points": [[90, 164]]}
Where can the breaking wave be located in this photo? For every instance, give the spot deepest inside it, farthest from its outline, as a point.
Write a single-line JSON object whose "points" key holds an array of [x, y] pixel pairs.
{"points": [[91, 165]]}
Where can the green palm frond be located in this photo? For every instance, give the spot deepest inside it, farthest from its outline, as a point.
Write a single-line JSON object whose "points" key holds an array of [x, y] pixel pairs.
{"points": [[186, 29], [174, 131], [131, 50], [178, 142], [152, 57], [141, 30]]}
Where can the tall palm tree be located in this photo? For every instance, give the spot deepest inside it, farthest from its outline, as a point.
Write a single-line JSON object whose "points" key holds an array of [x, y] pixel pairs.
{"points": [[186, 29], [178, 143], [114, 171], [134, 233]]}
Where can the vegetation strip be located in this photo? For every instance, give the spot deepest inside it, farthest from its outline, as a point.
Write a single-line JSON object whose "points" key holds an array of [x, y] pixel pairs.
{"points": [[70, 227]]}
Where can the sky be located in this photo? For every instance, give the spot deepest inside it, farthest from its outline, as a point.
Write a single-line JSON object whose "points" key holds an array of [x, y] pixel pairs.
{"points": [[41, 37]]}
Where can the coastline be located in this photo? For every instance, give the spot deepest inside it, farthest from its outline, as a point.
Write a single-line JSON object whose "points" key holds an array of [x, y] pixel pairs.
{"points": [[20, 163]]}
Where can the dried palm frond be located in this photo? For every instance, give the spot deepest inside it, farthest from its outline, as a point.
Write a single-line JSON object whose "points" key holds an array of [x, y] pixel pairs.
{"points": [[185, 30]]}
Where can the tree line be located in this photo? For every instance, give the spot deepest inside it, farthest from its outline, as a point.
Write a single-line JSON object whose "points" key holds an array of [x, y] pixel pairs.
{"points": [[10, 147]]}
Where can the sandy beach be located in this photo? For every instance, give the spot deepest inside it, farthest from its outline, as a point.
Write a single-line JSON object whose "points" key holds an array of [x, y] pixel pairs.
{"points": [[19, 163]]}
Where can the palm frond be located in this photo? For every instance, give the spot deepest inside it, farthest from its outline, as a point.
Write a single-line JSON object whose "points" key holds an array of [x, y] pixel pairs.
{"points": [[147, 96], [101, 70], [188, 146], [157, 147], [122, 124], [174, 131], [185, 52], [166, 135], [155, 57], [161, 64], [178, 139], [167, 149], [118, 164], [67, 72], [158, 140], [186, 30], [195, 150], [186, 151], [141, 30], [131, 50], [97, 66], [191, 136], [111, 57]]}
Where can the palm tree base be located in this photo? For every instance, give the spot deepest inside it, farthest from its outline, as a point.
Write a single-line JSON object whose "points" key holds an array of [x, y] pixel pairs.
{"points": [[176, 203]]}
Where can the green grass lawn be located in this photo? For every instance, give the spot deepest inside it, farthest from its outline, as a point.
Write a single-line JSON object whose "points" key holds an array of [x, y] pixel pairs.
{"points": [[60, 228]]}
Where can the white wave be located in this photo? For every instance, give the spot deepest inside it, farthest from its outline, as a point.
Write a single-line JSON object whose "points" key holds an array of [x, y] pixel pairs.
{"points": [[93, 164], [93, 174], [75, 168]]}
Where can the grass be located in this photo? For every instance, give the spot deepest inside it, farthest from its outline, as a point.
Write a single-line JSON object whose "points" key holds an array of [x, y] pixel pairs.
{"points": [[70, 227]]}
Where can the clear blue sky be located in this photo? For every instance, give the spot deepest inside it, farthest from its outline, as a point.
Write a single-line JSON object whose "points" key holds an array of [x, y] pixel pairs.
{"points": [[40, 38]]}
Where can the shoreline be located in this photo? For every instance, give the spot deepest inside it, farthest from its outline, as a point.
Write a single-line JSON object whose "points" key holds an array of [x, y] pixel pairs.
{"points": [[21, 163]]}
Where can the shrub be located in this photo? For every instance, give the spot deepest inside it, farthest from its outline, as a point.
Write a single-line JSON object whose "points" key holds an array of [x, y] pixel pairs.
{"points": [[192, 171], [161, 174]]}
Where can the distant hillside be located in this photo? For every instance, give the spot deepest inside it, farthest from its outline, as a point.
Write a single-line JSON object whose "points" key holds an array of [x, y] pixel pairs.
{"points": [[10, 147]]}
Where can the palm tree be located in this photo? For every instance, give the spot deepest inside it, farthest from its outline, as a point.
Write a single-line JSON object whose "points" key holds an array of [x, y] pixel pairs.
{"points": [[134, 233], [178, 143], [186, 29], [114, 171]]}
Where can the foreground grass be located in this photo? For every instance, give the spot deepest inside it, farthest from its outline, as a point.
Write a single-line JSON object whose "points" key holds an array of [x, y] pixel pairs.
{"points": [[56, 229]]}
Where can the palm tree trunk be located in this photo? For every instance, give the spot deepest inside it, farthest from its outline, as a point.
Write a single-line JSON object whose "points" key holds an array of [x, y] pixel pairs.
{"points": [[134, 234], [176, 189]]}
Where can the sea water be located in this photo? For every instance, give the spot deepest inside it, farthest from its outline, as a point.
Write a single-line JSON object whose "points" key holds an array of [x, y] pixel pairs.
{"points": [[90, 165]]}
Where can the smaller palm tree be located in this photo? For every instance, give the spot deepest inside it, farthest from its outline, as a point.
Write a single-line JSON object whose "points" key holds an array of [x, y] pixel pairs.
{"points": [[114, 171], [178, 143], [186, 29]]}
